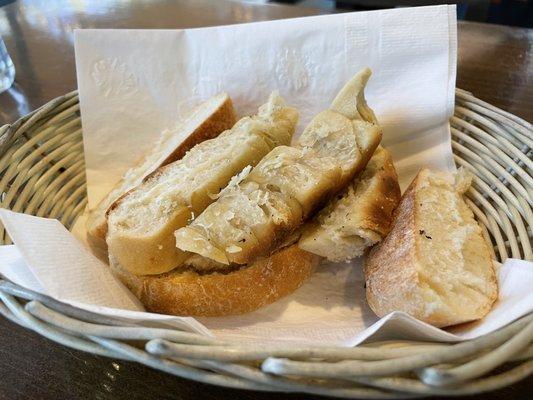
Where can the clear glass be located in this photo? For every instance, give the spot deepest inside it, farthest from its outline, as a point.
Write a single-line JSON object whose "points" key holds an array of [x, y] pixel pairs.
{"points": [[7, 69]]}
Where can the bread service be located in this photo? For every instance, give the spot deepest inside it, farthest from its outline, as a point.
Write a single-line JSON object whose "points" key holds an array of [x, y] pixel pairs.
{"points": [[259, 210], [244, 218], [207, 120], [434, 264], [142, 222]]}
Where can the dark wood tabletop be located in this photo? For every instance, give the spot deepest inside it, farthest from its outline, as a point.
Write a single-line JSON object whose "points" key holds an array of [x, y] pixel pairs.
{"points": [[494, 63]]}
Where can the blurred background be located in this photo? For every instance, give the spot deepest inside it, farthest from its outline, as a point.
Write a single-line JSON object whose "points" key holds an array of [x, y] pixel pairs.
{"points": [[495, 59], [504, 12]]}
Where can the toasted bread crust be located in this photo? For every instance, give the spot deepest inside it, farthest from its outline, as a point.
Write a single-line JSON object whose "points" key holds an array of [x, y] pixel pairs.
{"points": [[377, 212], [381, 274], [238, 291], [222, 119], [359, 217]]}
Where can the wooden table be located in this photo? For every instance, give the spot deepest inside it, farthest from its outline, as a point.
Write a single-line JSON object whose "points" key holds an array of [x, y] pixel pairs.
{"points": [[493, 64]]}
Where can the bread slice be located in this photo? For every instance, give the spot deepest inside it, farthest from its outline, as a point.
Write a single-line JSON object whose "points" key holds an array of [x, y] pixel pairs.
{"points": [[206, 121], [142, 222], [357, 218], [285, 188], [434, 264], [233, 291], [250, 216]]}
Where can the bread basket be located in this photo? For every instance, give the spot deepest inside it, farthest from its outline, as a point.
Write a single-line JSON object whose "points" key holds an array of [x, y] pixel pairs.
{"points": [[42, 173]]}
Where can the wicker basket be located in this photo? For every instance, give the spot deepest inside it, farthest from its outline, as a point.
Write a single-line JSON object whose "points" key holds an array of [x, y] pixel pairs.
{"points": [[42, 173]]}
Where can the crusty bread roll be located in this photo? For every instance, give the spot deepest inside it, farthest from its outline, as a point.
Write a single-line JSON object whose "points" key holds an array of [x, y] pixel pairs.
{"points": [[251, 218], [141, 223], [434, 264], [357, 218], [205, 121], [237, 290]]}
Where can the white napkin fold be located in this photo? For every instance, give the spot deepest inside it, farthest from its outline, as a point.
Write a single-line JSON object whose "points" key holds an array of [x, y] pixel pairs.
{"points": [[49, 260], [61, 266]]}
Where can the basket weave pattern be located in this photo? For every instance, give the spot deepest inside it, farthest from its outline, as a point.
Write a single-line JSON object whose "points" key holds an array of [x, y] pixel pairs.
{"points": [[42, 172]]}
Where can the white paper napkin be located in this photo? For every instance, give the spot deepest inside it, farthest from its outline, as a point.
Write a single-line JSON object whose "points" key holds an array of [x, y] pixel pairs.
{"points": [[134, 84], [337, 313], [61, 266]]}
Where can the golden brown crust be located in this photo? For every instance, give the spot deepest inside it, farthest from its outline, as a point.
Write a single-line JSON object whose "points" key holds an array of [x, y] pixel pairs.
{"points": [[381, 274], [358, 218], [216, 294], [221, 119], [380, 204], [96, 230]]}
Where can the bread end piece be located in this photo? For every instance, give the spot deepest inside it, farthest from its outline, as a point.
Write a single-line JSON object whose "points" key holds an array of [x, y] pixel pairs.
{"points": [[231, 292], [206, 121], [359, 217], [434, 264]]}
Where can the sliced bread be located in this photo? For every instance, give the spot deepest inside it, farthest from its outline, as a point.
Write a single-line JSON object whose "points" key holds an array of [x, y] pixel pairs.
{"points": [[434, 264], [142, 222], [287, 186], [357, 218], [206, 121], [236, 290]]}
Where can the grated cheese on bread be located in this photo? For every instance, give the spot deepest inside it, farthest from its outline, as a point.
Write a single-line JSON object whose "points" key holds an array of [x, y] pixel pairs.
{"points": [[288, 185], [142, 222], [359, 217]]}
